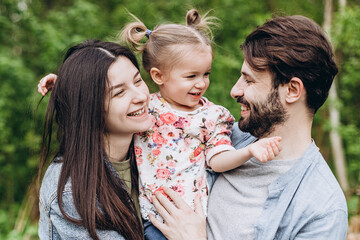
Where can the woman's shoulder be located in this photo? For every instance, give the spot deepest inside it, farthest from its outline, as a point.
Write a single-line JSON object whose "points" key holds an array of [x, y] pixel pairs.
{"points": [[49, 184]]}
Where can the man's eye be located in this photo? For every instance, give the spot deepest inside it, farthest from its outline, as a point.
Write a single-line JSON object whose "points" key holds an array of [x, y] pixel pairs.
{"points": [[139, 80]]}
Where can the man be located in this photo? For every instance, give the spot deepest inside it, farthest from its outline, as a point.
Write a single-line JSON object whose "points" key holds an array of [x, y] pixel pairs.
{"points": [[285, 78]]}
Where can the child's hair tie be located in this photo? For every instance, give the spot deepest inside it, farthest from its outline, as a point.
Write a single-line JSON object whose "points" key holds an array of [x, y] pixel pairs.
{"points": [[148, 32]]}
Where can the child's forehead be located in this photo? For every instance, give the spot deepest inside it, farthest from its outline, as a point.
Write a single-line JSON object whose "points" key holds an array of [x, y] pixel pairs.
{"points": [[184, 53]]}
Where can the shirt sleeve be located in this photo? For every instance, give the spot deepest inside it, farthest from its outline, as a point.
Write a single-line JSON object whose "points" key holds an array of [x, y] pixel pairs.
{"points": [[219, 140], [239, 138]]}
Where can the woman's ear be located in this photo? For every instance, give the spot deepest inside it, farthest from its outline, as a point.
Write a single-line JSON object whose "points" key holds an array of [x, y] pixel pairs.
{"points": [[295, 90], [157, 76]]}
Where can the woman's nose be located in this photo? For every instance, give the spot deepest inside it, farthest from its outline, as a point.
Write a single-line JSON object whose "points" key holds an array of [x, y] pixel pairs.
{"points": [[140, 95]]}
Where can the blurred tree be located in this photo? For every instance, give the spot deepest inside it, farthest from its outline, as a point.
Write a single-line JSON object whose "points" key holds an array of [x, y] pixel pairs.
{"points": [[35, 33]]}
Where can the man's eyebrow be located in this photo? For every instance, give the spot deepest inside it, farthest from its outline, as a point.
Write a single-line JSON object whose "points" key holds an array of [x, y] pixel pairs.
{"points": [[122, 84], [246, 74]]}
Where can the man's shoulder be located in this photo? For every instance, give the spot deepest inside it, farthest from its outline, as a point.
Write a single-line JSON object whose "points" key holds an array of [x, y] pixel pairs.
{"points": [[321, 186], [239, 138]]}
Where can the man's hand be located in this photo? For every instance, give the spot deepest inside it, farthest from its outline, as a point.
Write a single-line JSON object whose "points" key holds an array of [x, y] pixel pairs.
{"points": [[180, 221]]}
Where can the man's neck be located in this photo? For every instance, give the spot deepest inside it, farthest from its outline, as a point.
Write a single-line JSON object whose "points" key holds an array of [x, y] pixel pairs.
{"points": [[296, 138]]}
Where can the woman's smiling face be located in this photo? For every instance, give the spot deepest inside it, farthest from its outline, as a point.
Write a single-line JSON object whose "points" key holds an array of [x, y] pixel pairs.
{"points": [[127, 104]]}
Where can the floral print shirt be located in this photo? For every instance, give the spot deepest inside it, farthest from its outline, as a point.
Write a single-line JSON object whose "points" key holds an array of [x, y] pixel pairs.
{"points": [[176, 150]]}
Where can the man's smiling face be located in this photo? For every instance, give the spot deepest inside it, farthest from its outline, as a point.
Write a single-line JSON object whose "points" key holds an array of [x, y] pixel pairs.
{"points": [[261, 108]]}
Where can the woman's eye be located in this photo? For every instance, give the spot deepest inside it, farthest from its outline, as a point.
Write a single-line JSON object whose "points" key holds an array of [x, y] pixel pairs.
{"points": [[139, 80], [118, 93]]}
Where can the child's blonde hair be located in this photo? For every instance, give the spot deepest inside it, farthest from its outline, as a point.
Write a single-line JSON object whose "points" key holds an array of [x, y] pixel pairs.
{"points": [[158, 51]]}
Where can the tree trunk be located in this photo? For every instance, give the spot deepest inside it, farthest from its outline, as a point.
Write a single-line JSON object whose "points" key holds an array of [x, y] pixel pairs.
{"points": [[335, 138]]}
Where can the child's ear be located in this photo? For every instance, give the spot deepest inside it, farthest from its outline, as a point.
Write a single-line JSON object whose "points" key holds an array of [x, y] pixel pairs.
{"points": [[157, 76], [295, 90]]}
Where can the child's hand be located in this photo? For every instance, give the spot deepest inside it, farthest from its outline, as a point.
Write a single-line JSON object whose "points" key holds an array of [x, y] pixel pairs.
{"points": [[47, 83], [265, 149]]}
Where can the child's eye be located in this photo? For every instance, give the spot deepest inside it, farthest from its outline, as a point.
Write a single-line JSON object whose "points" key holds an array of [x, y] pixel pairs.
{"points": [[207, 74], [191, 76]]}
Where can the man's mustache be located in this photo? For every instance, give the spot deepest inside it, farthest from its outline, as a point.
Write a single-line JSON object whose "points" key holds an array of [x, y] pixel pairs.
{"points": [[242, 101]]}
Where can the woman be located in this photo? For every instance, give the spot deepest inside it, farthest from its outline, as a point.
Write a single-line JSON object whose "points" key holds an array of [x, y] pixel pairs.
{"points": [[98, 102]]}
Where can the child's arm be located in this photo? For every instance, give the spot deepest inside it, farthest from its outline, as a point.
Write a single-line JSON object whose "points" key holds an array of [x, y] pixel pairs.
{"points": [[47, 83], [264, 150]]}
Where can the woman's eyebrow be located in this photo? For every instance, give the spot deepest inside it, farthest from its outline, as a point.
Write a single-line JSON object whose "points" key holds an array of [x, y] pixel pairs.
{"points": [[122, 84]]}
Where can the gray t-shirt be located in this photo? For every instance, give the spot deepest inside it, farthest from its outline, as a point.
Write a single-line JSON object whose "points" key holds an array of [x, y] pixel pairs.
{"points": [[241, 193]]}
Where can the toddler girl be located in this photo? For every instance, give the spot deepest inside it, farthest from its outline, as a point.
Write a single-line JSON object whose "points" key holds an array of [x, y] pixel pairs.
{"points": [[189, 133]]}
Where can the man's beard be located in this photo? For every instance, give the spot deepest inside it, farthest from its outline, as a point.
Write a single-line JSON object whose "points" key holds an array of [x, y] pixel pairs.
{"points": [[263, 116]]}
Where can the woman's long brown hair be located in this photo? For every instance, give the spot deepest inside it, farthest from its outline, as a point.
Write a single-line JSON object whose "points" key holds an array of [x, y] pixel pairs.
{"points": [[77, 105]]}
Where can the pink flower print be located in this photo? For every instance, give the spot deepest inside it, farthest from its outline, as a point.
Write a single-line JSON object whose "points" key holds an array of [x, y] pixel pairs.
{"points": [[157, 138], [187, 142], [182, 123], [153, 119], [138, 151], [163, 173], [161, 164], [159, 123], [179, 189], [171, 163], [203, 134], [156, 152], [168, 118], [210, 125], [151, 187], [225, 129], [198, 150], [200, 183], [230, 119], [166, 129], [139, 161], [223, 142]]}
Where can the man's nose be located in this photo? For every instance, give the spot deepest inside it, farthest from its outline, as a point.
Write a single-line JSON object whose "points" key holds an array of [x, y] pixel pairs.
{"points": [[237, 90]]}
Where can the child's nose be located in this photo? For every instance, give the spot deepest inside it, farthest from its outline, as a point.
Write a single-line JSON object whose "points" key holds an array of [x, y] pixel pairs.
{"points": [[201, 83]]}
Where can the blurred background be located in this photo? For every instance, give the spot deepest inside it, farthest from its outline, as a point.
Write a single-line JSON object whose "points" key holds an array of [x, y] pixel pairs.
{"points": [[34, 35]]}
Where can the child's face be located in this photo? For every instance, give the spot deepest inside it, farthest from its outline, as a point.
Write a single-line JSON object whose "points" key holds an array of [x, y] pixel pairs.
{"points": [[186, 82]]}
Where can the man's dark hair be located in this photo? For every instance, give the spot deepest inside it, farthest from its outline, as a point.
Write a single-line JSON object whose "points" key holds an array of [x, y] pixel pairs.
{"points": [[293, 46]]}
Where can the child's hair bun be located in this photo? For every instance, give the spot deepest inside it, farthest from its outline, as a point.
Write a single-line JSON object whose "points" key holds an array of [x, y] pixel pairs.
{"points": [[193, 17]]}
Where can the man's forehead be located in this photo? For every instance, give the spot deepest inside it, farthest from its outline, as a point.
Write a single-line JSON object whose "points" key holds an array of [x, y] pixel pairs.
{"points": [[254, 74]]}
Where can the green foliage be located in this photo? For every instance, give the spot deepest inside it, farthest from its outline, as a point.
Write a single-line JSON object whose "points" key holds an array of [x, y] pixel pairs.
{"points": [[34, 35], [346, 37]]}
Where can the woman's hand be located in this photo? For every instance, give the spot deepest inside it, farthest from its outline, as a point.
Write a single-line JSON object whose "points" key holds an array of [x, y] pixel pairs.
{"points": [[47, 83], [180, 221]]}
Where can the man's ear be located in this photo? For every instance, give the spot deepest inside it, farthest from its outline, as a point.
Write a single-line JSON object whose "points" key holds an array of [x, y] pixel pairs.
{"points": [[295, 89], [157, 76]]}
